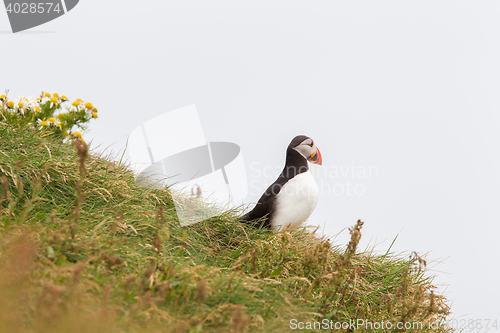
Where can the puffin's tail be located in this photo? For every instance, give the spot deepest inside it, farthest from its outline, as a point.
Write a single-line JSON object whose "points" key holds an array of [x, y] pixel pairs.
{"points": [[246, 220], [257, 223]]}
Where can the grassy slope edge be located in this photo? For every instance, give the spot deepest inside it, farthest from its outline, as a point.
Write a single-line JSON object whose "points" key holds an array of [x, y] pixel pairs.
{"points": [[114, 259]]}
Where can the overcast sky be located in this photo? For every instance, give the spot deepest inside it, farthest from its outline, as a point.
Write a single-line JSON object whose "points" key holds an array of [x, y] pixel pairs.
{"points": [[401, 98]]}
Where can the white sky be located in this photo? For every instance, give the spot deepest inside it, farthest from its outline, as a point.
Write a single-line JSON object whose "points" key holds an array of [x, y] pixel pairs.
{"points": [[409, 89]]}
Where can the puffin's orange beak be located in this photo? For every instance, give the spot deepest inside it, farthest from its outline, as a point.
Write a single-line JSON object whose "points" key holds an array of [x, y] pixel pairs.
{"points": [[316, 157]]}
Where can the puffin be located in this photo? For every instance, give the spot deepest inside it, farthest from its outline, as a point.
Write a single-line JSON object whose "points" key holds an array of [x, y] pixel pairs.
{"points": [[291, 199]]}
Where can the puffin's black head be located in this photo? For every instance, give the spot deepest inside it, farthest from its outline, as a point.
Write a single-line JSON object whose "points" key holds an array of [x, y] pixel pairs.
{"points": [[306, 147]]}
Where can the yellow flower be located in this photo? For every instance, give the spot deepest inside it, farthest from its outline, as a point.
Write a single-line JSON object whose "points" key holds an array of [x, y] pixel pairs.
{"points": [[37, 109], [89, 106], [54, 100], [46, 95], [20, 104], [94, 115], [56, 95], [52, 120], [75, 103], [95, 109], [64, 98], [43, 123], [77, 134], [59, 125], [79, 100], [10, 104], [3, 97]]}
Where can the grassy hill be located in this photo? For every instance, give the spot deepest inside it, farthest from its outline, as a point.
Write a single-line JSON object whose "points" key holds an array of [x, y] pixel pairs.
{"points": [[84, 249]]}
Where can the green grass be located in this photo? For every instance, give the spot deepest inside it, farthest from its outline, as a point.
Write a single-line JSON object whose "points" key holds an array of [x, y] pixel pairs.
{"points": [[84, 249]]}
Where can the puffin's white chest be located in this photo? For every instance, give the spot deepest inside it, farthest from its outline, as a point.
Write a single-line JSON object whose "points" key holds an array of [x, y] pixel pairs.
{"points": [[295, 202]]}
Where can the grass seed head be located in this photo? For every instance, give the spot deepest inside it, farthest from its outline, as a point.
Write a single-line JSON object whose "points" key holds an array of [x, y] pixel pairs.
{"points": [[201, 291], [239, 320]]}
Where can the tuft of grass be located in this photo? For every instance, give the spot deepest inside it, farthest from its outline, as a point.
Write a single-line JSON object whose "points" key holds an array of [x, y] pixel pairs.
{"points": [[84, 249]]}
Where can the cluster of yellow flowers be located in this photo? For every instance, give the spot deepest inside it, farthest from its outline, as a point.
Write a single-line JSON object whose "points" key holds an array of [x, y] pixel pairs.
{"points": [[49, 111]]}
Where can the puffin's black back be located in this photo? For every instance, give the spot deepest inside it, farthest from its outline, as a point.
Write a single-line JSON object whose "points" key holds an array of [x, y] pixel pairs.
{"points": [[264, 210]]}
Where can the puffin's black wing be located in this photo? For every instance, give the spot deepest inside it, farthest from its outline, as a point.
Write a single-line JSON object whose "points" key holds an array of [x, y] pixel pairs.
{"points": [[261, 215]]}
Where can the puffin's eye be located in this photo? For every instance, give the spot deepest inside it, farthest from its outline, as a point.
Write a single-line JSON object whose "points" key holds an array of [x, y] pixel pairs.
{"points": [[311, 144]]}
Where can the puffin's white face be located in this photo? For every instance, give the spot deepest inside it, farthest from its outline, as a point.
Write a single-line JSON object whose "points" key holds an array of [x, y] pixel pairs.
{"points": [[308, 149]]}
